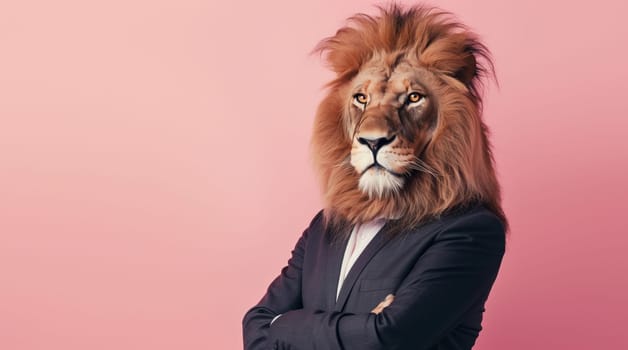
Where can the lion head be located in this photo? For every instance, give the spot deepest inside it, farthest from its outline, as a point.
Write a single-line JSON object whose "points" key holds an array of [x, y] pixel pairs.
{"points": [[400, 134]]}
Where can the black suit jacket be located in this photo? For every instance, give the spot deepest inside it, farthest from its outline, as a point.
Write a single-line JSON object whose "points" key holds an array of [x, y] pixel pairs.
{"points": [[441, 274]]}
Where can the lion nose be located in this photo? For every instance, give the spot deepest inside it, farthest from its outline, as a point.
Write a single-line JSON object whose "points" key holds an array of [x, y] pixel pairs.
{"points": [[376, 143]]}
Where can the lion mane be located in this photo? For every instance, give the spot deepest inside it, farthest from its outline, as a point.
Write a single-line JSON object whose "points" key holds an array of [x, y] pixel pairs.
{"points": [[400, 134]]}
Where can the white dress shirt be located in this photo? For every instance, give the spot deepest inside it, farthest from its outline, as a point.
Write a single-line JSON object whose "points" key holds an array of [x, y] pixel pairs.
{"points": [[361, 236]]}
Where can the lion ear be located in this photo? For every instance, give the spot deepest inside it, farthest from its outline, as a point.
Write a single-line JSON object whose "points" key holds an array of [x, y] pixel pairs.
{"points": [[344, 52], [469, 69]]}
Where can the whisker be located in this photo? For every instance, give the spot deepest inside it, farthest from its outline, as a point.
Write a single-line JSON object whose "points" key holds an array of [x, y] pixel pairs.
{"points": [[419, 164]]}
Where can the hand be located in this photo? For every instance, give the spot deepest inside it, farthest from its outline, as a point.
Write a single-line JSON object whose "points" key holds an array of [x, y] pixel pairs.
{"points": [[380, 307]]}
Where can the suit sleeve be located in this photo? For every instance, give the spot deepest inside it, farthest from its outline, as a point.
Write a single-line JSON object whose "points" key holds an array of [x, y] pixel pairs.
{"points": [[456, 272], [283, 294]]}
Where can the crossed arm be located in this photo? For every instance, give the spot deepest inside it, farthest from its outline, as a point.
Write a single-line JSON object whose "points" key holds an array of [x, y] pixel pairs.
{"points": [[456, 272]]}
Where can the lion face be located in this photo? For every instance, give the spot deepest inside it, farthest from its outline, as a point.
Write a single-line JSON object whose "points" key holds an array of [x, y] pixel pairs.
{"points": [[390, 119], [400, 133]]}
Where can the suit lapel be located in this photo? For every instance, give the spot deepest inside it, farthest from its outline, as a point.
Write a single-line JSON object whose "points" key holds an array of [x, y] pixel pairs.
{"points": [[371, 249], [332, 273]]}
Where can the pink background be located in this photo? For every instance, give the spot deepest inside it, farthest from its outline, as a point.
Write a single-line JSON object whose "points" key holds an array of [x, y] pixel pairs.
{"points": [[155, 172]]}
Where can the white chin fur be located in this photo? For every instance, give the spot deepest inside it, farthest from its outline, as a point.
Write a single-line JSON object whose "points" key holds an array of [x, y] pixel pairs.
{"points": [[376, 182]]}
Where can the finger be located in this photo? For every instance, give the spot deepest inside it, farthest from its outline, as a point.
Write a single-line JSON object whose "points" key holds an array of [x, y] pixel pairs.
{"points": [[377, 309], [382, 305], [389, 299]]}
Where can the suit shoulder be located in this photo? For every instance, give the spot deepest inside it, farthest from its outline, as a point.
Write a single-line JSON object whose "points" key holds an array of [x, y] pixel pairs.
{"points": [[478, 225], [317, 220], [317, 223], [474, 216]]}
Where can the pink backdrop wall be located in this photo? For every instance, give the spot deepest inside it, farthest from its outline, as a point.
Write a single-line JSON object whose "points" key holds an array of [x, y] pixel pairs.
{"points": [[154, 170]]}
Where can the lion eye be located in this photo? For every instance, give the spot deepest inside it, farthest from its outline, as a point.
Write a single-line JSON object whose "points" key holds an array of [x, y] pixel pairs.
{"points": [[360, 98], [414, 97]]}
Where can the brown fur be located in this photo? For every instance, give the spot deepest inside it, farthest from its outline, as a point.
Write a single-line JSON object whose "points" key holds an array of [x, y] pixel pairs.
{"points": [[453, 160]]}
